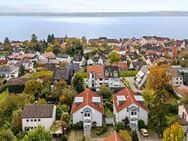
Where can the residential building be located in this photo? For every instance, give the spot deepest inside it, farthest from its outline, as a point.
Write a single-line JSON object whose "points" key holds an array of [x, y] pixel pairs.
{"points": [[79, 59], [111, 75], [95, 76], [98, 75], [183, 118], [64, 58], [66, 74], [88, 108], [141, 77], [136, 65], [38, 114], [126, 104], [47, 57], [8, 72], [180, 76], [95, 60]]}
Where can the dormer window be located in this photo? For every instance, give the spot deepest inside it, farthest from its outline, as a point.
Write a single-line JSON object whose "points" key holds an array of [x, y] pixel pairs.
{"points": [[96, 100], [78, 100], [121, 99]]}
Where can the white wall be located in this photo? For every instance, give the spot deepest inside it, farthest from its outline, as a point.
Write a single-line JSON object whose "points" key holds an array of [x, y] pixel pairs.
{"points": [[95, 116], [142, 114], [45, 122], [181, 110]]}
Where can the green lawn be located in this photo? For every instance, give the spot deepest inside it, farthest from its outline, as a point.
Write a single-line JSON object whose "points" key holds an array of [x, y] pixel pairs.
{"points": [[39, 74], [3, 95], [126, 83], [128, 73]]}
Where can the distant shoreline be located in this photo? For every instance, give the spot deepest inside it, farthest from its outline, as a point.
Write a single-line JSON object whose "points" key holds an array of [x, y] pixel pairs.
{"points": [[99, 14]]}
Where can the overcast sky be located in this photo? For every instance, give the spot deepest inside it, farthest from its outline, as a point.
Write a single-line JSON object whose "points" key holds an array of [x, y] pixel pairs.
{"points": [[92, 5]]}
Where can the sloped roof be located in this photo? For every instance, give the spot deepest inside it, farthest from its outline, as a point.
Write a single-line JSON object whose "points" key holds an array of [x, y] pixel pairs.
{"points": [[87, 95], [98, 70], [130, 99], [38, 111]]}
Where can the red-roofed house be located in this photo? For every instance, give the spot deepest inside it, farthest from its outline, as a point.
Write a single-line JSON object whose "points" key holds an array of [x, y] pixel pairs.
{"points": [[129, 105], [88, 108], [95, 76]]}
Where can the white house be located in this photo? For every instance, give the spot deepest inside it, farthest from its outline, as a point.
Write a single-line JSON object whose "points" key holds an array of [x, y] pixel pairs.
{"points": [[98, 75], [88, 108], [38, 114], [95, 76], [79, 59], [8, 72], [183, 118], [47, 57], [141, 76], [64, 58], [129, 105]]}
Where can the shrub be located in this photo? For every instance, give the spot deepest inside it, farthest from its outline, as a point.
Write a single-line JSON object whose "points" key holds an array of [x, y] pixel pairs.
{"points": [[119, 126], [63, 138], [141, 124], [78, 125], [101, 130], [134, 136]]}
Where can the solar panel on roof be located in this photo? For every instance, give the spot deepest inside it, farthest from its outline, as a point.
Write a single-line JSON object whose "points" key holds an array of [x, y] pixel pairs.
{"points": [[78, 99]]}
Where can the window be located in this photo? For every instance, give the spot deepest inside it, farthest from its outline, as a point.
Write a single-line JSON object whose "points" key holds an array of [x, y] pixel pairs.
{"points": [[133, 113], [38, 119], [35, 120], [27, 120], [87, 114], [31, 120]]}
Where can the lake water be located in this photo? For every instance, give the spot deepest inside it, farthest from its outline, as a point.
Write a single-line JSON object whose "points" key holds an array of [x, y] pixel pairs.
{"points": [[21, 27]]}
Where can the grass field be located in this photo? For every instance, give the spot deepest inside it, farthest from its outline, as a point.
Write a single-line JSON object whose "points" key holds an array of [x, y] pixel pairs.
{"points": [[3, 96]]}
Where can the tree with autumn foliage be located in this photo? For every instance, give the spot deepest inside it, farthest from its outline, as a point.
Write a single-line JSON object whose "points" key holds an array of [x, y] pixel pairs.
{"points": [[125, 135], [160, 77], [173, 133]]}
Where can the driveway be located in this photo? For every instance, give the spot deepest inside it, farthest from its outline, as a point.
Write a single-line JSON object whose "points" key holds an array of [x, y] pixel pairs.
{"points": [[131, 82]]}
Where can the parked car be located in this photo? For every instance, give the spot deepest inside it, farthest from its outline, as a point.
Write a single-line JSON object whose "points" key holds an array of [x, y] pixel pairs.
{"points": [[144, 132]]}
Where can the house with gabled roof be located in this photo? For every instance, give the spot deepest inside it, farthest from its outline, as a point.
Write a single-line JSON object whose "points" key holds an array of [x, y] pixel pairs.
{"points": [[88, 108], [127, 104], [38, 114]]}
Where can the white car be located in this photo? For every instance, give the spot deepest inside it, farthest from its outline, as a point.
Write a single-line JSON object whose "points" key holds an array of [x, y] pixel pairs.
{"points": [[144, 132]]}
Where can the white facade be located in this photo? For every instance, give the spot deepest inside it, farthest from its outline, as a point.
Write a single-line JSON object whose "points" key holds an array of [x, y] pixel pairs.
{"points": [[134, 113], [176, 81], [81, 63], [88, 119], [66, 60], [14, 73], [31, 123]]}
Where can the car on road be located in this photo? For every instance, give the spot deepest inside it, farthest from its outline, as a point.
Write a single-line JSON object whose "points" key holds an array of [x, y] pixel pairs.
{"points": [[144, 132]]}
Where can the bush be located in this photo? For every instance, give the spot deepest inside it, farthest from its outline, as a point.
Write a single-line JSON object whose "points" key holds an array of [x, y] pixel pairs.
{"points": [[141, 124], [101, 130], [134, 136], [128, 73], [63, 138], [78, 125], [119, 126], [3, 88]]}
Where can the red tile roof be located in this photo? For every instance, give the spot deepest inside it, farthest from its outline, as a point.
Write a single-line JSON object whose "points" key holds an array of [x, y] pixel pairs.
{"points": [[114, 137], [130, 99], [22, 56], [121, 65], [98, 70], [87, 95], [174, 51], [48, 55]]}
